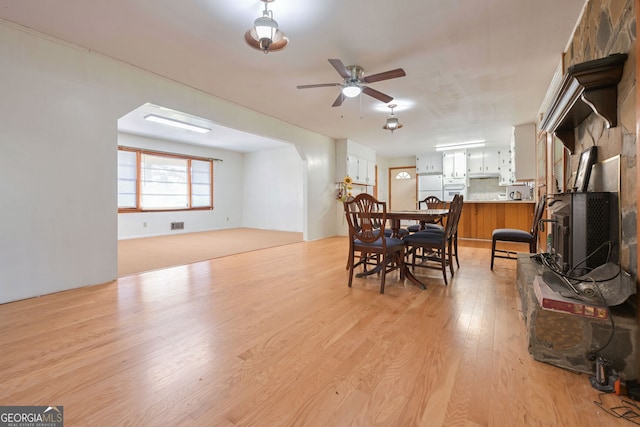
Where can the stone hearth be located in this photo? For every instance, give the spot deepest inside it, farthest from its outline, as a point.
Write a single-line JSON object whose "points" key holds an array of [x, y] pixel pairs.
{"points": [[564, 340]]}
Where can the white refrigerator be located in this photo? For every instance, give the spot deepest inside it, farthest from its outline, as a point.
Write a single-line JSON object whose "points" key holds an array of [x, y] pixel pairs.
{"points": [[429, 185]]}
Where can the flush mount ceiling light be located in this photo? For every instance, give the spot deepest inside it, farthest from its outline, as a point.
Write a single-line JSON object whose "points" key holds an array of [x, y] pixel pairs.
{"points": [[460, 145], [392, 121], [265, 35], [176, 123]]}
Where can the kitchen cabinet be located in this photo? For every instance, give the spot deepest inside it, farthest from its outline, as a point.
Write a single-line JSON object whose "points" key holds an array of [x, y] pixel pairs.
{"points": [[523, 151], [352, 167], [356, 161], [454, 164], [478, 220], [366, 172], [361, 171], [483, 162], [505, 167], [429, 163]]}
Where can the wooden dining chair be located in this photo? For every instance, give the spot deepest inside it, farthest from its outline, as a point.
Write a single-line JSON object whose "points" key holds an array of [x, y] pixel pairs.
{"points": [[429, 202], [458, 213], [436, 246], [366, 259], [518, 236], [366, 217]]}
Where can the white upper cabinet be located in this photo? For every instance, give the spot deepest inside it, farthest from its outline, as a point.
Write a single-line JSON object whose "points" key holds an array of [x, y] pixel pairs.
{"points": [[356, 161], [523, 150], [429, 163], [454, 164], [366, 172], [505, 167], [475, 163], [483, 162], [491, 161], [361, 171], [353, 167]]}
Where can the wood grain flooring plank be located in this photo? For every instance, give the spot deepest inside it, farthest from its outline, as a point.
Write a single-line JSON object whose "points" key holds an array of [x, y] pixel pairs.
{"points": [[275, 337]]}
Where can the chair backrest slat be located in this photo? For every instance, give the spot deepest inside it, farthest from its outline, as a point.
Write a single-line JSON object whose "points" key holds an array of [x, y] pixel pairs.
{"points": [[431, 202], [366, 217]]}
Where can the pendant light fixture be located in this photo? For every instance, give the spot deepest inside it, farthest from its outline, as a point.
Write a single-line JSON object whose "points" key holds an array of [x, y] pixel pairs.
{"points": [[392, 121], [265, 35]]}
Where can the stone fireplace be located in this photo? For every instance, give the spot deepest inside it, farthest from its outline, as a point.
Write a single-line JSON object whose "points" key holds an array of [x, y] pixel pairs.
{"points": [[606, 34], [568, 340]]}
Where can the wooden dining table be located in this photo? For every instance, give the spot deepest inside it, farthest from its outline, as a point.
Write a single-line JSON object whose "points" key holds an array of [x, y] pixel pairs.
{"points": [[395, 218], [422, 216]]}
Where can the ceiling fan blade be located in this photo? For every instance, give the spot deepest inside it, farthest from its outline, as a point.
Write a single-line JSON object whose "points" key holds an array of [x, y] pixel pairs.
{"points": [[318, 85], [377, 94], [340, 68], [392, 74], [338, 101]]}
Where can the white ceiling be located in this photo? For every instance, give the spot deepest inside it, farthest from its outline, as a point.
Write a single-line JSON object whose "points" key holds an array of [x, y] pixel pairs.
{"points": [[221, 137], [474, 67]]}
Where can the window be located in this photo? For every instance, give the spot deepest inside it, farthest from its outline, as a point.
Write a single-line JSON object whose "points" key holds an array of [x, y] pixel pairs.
{"points": [[152, 181], [127, 179], [403, 175]]}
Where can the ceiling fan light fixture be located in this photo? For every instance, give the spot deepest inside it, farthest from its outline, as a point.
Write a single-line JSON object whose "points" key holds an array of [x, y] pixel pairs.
{"points": [[351, 90], [265, 35]]}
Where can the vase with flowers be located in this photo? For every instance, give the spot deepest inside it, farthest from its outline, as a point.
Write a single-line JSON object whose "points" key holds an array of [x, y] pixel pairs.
{"points": [[344, 189]]}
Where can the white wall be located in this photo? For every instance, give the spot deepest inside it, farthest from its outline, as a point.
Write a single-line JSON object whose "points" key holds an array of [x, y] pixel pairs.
{"points": [[228, 177], [58, 129], [273, 190]]}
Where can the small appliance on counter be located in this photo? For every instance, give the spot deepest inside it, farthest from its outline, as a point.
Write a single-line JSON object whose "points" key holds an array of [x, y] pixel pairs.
{"points": [[519, 192]]}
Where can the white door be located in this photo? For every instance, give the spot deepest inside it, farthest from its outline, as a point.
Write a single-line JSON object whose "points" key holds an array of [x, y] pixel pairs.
{"points": [[402, 189]]}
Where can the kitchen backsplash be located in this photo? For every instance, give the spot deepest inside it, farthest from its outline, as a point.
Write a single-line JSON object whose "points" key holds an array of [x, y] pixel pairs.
{"points": [[484, 189]]}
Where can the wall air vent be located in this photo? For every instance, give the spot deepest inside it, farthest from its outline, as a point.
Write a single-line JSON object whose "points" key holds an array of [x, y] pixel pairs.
{"points": [[177, 226]]}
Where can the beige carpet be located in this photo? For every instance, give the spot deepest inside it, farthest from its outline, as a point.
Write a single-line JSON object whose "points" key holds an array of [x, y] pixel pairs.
{"points": [[152, 253]]}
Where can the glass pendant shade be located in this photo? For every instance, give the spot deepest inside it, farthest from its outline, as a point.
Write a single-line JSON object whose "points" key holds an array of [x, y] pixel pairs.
{"points": [[265, 35], [265, 27], [392, 120], [392, 123]]}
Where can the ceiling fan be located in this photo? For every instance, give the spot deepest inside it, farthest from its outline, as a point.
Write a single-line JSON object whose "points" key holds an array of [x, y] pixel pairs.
{"points": [[354, 82]]}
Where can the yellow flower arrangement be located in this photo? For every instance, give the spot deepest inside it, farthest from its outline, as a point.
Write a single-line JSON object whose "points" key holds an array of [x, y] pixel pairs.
{"points": [[344, 189]]}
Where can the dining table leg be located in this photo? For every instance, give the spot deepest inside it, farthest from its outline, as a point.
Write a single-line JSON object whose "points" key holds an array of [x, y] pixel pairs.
{"points": [[394, 224], [404, 272], [412, 278], [395, 233]]}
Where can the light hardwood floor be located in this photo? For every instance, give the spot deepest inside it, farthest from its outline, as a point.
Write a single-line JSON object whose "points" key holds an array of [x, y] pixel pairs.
{"points": [[276, 338]]}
